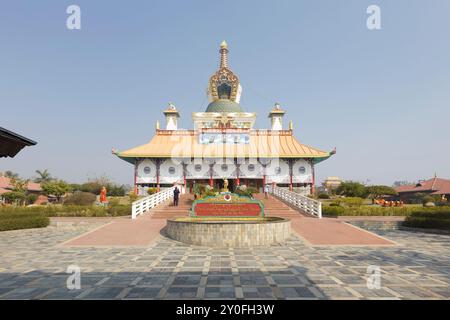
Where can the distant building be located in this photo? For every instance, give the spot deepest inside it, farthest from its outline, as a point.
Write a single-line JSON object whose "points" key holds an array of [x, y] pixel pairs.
{"points": [[32, 187], [433, 186], [11, 143], [331, 183]]}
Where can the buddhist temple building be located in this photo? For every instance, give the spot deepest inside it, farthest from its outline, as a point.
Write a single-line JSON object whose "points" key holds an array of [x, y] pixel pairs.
{"points": [[224, 144]]}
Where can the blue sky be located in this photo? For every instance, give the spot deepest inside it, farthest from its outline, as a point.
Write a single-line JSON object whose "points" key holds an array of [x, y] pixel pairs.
{"points": [[382, 98]]}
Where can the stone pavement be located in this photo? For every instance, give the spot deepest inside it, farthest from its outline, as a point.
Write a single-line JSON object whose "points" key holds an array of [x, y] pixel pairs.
{"points": [[33, 265]]}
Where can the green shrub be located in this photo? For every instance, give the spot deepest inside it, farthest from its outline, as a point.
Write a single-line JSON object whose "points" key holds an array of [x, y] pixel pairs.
{"points": [[427, 222], [31, 198], [350, 201], [333, 211], [80, 198], [119, 210], [16, 222], [151, 191], [386, 211], [323, 196], [67, 211]]}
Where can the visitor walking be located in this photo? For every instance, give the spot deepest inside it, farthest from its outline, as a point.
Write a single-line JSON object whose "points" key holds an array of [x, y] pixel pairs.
{"points": [[176, 194], [266, 191]]}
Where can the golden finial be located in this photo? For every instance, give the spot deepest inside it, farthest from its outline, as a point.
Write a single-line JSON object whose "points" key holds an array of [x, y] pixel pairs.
{"points": [[157, 124], [223, 55], [291, 125]]}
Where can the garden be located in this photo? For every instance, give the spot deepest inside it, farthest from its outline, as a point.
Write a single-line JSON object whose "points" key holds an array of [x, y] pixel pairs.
{"points": [[356, 199], [19, 211]]}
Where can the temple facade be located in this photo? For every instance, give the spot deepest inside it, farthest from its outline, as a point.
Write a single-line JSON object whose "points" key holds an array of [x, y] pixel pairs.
{"points": [[224, 144]]}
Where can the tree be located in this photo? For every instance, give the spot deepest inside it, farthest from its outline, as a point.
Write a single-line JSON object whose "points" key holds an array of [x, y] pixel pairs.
{"points": [[57, 188], [352, 189], [401, 183], [377, 191], [18, 191], [11, 175], [14, 197], [44, 176]]}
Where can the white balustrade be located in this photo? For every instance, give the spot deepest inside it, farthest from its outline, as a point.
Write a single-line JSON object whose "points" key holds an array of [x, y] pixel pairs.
{"points": [[311, 206], [143, 205]]}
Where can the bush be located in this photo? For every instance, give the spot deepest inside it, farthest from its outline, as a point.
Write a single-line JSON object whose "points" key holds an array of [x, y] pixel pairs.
{"points": [[350, 202], [31, 198], [333, 211], [151, 191], [119, 210], [80, 198], [133, 197], [18, 221], [436, 218], [323, 196], [387, 211], [68, 211]]}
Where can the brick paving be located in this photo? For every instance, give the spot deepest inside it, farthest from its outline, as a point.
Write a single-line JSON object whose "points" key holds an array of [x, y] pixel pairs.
{"points": [[33, 265]]}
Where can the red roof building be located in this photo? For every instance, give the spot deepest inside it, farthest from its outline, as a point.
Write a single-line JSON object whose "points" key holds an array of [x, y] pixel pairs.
{"points": [[5, 186], [434, 186]]}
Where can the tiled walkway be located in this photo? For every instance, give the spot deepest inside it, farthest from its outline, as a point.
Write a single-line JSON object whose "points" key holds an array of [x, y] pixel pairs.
{"points": [[33, 265]]}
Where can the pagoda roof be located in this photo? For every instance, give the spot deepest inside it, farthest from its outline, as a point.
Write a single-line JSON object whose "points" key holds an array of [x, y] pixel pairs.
{"points": [[262, 143]]}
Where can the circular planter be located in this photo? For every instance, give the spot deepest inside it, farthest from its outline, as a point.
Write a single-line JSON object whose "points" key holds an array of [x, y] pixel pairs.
{"points": [[229, 233]]}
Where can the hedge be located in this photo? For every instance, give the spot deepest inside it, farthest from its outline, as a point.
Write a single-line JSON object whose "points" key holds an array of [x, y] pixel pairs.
{"points": [[70, 211], [381, 211], [19, 221], [426, 222]]}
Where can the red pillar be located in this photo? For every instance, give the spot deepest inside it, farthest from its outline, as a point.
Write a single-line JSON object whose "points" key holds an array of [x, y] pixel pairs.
{"points": [[157, 175], [313, 186], [135, 178], [291, 187]]}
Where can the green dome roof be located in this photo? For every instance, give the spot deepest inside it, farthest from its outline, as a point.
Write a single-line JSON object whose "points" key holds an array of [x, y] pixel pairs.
{"points": [[224, 105]]}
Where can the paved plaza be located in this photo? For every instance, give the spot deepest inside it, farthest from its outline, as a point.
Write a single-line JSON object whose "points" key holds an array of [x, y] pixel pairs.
{"points": [[33, 265]]}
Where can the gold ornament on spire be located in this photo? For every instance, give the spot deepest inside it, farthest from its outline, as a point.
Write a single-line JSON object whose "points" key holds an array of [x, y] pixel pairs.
{"points": [[224, 84]]}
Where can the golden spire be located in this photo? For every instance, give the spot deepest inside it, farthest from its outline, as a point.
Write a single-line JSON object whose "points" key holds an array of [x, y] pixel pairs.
{"points": [[223, 55]]}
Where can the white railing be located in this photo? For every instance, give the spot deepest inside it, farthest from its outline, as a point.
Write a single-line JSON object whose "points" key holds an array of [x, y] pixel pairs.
{"points": [[143, 205], [299, 201]]}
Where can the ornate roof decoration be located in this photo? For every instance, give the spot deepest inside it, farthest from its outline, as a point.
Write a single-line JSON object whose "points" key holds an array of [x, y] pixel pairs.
{"points": [[224, 84]]}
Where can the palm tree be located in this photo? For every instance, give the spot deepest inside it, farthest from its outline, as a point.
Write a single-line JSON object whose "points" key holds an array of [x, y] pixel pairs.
{"points": [[44, 176]]}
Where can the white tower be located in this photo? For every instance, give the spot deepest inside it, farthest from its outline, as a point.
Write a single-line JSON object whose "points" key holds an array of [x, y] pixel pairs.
{"points": [[276, 117], [172, 116]]}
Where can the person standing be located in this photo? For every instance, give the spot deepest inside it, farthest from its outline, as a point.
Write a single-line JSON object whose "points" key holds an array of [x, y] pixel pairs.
{"points": [[266, 191], [176, 193]]}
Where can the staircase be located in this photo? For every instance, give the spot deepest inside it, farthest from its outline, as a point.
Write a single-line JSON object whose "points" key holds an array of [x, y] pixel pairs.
{"points": [[167, 210], [275, 207], [272, 207]]}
